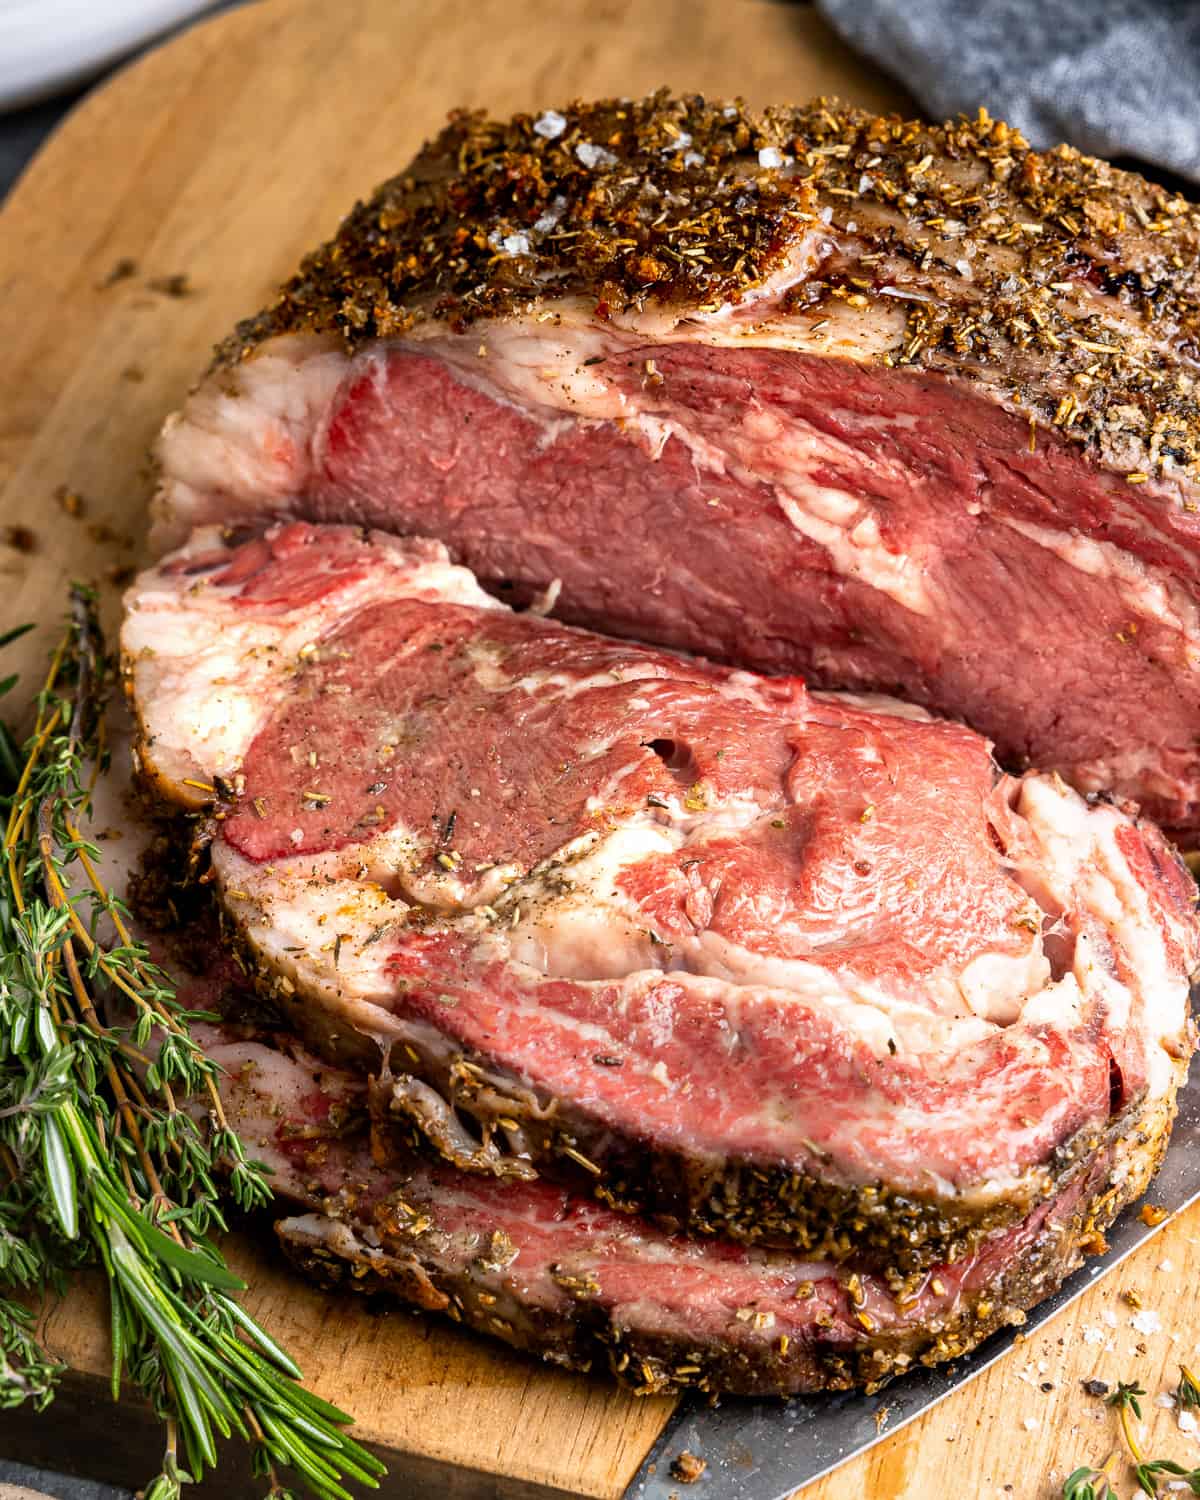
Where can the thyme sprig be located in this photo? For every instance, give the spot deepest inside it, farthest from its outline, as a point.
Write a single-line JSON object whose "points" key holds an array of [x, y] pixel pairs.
{"points": [[1145, 1473], [1094, 1484], [1126, 1397], [101, 1160], [1089, 1484], [1187, 1392]]}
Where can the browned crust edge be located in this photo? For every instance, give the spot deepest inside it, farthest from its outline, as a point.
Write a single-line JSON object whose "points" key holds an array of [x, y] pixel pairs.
{"points": [[588, 1338]]}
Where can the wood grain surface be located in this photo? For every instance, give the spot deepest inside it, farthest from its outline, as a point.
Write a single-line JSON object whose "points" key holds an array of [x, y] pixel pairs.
{"points": [[221, 157]]}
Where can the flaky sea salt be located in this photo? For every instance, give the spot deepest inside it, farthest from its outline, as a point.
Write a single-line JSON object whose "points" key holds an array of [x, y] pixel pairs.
{"points": [[552, 217], [1146, 1321], [550, 125], [1188, 1422], [771, 156], [593, 156]]}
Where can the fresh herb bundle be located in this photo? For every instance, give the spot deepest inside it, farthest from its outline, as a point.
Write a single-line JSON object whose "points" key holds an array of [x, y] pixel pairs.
{"points": [[101, 1162]]}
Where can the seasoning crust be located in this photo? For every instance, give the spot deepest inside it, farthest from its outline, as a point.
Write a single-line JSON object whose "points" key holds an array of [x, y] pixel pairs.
{"points": [[1066, 284]]}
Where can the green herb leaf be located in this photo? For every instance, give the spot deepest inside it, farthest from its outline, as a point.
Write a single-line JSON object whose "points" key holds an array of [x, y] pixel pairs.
{"points": [[1126, 1394], [15, 633], [1145, 1474], [60, 1177], [1087, 1484]]}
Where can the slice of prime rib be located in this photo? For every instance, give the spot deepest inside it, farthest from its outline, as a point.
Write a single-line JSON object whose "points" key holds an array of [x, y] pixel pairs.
{"points": [[900, 407], [562, 1276], [794, 967]]}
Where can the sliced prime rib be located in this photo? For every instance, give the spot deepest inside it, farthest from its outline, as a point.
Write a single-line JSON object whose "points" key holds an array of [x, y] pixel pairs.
{"points": [[586, 1287], [901, 407], [793, 967]]}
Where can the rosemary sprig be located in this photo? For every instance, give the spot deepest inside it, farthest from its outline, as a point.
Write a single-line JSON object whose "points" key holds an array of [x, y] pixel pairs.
{"points": [[1187, 1392], [100, 1160]]}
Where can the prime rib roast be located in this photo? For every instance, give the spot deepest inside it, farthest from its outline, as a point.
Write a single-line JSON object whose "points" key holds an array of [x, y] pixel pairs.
{"points": [[900, 407], [561, 582], [797, 968]]}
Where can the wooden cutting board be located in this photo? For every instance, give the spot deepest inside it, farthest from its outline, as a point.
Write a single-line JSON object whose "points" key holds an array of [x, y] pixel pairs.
{"points": [[220, 158]]}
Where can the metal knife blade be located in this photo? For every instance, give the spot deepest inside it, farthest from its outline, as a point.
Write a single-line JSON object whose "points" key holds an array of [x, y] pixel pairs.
{"points": [[765, 1450]]}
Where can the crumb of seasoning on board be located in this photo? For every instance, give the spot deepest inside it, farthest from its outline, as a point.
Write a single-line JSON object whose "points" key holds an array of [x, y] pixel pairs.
{"points": [[1152, 1214], [687, 1467], [1095, 1387], [121, 270], [176, 285], [20, 538], [70, 501]]}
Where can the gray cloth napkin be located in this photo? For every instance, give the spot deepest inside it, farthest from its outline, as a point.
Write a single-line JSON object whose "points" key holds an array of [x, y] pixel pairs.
{"points": [[1117, 78]]}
